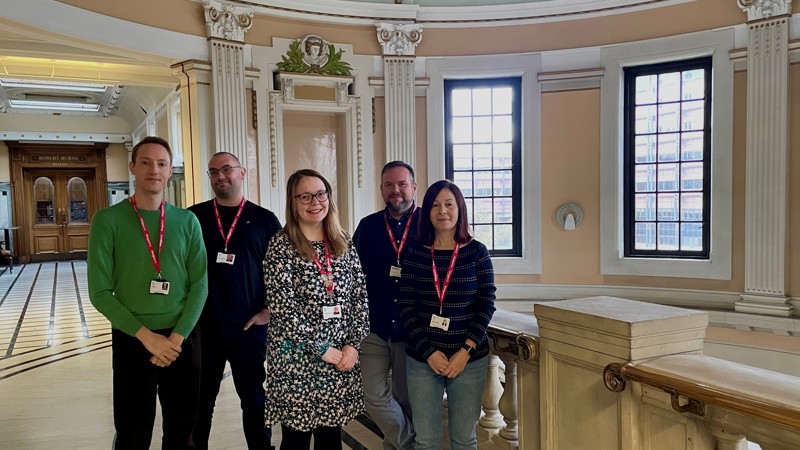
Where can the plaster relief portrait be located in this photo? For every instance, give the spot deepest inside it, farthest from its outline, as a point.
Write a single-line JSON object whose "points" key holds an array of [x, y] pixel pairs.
{"points": [[315, 51]]}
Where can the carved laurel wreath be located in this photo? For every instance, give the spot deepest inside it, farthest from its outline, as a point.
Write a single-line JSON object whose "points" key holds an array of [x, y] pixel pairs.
{"points": [[293, 62]]}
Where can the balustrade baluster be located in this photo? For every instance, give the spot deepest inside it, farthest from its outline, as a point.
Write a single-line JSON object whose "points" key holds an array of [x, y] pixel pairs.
{"points": [[727, 441], [508, 401]]}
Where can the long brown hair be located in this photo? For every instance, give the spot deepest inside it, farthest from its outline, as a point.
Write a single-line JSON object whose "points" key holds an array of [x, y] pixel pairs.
{"points": [[426, 233], [330, 224]]}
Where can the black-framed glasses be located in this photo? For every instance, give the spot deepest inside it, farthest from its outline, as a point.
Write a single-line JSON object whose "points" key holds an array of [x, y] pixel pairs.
{"points": [[306, 198], [225, 170]]}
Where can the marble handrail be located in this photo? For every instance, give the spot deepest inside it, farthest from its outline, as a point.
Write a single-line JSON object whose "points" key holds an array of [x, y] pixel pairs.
{"points": [[759, 393], [515, 333]]}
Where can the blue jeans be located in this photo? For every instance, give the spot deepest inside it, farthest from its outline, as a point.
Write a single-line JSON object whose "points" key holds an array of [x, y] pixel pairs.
{"points": [[425, 392]]}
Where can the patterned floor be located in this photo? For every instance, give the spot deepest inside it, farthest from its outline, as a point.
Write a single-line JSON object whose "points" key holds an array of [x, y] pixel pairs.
{"points": [[45, 315], [55, 369]]}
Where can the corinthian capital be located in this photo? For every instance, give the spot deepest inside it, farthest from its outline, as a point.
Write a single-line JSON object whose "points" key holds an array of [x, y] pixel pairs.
{"points": [[399, 39], [764, 9], [227, 21]]}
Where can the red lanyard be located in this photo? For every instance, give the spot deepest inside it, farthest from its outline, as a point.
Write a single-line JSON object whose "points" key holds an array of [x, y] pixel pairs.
{"points": [[161, 222], [399, 249], [441, 291], [233, 224], [325, 272]]}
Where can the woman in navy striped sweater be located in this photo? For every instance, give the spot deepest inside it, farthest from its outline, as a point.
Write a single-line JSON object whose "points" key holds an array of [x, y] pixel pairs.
{"points": [[447, 295]]}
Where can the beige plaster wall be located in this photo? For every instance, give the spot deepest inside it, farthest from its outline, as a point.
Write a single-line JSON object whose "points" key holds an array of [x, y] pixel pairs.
{"points": [[794, 181], [117, 162], [571, 173], [5, 163], [658, 22], [177, 15], [187, 17]]}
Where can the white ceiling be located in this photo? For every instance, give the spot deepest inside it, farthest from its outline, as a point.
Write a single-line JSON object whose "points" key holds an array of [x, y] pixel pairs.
{"points": [[26, 57]]}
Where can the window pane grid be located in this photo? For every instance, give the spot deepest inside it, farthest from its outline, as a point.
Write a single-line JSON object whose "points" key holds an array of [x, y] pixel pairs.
{"points": [[667, 159], [482, 157]]}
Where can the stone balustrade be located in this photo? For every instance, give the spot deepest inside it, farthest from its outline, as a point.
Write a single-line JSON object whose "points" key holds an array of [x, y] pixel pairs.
{"points": [[558, 381]]}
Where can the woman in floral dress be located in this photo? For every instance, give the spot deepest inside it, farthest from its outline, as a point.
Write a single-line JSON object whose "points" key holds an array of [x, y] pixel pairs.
{"points": [[317, 296]]}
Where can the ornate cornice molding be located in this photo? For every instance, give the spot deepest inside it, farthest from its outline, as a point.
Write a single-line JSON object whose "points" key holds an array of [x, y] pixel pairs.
{"points": [[227, 21], [399, 39], [765, 9]]}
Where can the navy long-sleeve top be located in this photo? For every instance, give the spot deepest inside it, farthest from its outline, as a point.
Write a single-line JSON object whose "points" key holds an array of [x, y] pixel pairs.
{"points": [[236, 292], [377, 257], [468, 303]]}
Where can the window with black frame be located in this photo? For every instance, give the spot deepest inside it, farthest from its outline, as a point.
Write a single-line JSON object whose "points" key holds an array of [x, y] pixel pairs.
{"points": [[483, 157], [667, 156]]}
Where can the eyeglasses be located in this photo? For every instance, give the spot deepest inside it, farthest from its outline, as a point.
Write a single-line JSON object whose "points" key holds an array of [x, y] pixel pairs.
{"points": [[225, 170], [306, 198]]}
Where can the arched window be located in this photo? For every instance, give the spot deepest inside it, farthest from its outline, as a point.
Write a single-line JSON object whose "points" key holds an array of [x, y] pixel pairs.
{"points": [[43, 197], [76, 196]]}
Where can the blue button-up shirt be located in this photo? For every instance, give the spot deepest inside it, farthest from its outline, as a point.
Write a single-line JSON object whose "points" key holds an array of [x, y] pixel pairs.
{"points": [[377, 257]]}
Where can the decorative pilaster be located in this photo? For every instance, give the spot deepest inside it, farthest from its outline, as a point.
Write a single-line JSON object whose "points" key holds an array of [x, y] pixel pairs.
{"points": [[399, 43], [131, 178], [767, 152], [197, 129], [226, 25]]}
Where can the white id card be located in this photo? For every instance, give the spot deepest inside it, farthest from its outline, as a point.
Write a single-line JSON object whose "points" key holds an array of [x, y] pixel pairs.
{"points": [[225, 258], [440, 322], [332, 312], [395, 272], [159, 287]]}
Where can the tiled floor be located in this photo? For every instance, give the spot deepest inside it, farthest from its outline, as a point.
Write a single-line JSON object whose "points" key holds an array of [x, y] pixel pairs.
{"points": [[55, 369]]}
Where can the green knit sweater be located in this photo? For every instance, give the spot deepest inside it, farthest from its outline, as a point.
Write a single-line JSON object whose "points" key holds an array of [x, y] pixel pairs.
{"points": [[119, 269]]}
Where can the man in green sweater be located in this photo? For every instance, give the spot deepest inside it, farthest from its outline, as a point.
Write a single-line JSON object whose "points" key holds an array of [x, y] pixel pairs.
{"points": [[147, 275]]}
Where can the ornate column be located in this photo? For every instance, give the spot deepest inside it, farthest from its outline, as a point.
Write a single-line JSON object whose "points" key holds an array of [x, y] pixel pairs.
{"points": [[226, 25], [399, 43], [767, 152]]}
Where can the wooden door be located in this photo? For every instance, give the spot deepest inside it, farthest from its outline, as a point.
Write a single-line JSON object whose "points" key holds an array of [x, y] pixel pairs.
{"points": [[60, 212]]}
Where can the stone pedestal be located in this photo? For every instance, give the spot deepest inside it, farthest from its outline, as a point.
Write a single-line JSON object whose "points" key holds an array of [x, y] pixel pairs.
{"points": [[578, 338]]}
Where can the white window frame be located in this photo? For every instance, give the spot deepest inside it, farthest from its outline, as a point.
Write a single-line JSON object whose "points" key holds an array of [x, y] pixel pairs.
{"points": [[718, 44], [526, 66]]}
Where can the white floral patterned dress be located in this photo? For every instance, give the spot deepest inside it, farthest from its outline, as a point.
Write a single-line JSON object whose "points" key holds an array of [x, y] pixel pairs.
{"points": [[304, 392]]}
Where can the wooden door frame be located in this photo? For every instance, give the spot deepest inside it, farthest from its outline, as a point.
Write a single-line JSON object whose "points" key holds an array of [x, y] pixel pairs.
{"points": [[35, 155]]}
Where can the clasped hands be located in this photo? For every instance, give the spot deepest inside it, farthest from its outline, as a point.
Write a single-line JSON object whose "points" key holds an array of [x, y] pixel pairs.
{"points": [[449, 368], [344, 359], [165, 350]]}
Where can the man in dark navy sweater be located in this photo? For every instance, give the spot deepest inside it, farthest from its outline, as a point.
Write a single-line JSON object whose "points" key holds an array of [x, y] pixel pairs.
{"points": [[233, 326], [381, 240]]}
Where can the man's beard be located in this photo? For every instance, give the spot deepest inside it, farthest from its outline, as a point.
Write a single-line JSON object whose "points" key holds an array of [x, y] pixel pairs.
{"points": [[224, 191], [403, 205]]}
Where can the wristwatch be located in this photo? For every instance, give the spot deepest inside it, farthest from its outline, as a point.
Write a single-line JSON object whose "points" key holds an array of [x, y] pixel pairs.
{"points": [[470, 349]]}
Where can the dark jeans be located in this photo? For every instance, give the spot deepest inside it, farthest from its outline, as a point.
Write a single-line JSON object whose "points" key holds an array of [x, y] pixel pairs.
{"points": [[246, 351], [137, 382], [325, 438]]}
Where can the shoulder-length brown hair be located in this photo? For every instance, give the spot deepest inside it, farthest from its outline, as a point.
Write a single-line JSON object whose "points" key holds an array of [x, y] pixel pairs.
{"points": [[426, 233], [330, 224]]}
